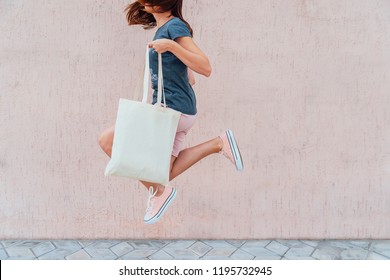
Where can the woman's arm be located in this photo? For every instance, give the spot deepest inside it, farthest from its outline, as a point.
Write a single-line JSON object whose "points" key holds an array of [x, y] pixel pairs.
{"points": [[185, 49]]}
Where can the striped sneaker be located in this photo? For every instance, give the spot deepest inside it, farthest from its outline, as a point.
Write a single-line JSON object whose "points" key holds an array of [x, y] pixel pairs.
{"points": [[157, 205], [230, 149]]}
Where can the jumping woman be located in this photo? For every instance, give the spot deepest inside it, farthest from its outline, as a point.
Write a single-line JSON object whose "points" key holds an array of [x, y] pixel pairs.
{"points": [[181, 56]]}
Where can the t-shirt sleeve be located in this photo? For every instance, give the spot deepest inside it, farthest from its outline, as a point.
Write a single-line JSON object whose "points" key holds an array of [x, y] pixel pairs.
{"points": [[178, 29]]}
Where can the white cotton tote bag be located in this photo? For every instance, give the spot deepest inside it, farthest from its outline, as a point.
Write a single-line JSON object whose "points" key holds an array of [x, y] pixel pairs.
{"points": [[144, 135]]}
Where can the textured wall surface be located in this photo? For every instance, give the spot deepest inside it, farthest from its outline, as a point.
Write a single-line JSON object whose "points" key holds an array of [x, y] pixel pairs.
{"points": [[304, 84]]}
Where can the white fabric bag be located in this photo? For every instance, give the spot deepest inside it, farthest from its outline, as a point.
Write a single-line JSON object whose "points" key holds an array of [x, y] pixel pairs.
{"points": [[144, 136]]}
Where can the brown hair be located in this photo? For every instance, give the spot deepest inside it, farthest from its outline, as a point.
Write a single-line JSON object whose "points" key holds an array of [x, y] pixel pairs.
{"points": [[137, 15]]}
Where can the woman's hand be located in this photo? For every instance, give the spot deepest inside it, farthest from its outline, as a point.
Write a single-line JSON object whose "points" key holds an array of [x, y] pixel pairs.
{"points": [[161, 45]]}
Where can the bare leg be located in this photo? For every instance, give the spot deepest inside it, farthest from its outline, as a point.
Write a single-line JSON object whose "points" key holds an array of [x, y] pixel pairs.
{"points": [[187, 157], [157, 187], [106, 141]]}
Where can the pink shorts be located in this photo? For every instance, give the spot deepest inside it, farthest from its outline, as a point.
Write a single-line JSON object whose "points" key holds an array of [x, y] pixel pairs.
{"points": [[185, 124]]}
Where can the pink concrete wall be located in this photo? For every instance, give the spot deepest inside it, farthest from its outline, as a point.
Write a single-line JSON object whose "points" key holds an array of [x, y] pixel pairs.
{"points": [[304, 85]]}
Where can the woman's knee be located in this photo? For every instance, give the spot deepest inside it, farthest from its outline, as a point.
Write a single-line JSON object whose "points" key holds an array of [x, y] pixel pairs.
{"points": [[106, 138], [102, 140]]}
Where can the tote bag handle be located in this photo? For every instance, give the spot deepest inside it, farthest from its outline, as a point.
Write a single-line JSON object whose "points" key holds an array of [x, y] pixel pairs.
{"points": [[160, 85]]}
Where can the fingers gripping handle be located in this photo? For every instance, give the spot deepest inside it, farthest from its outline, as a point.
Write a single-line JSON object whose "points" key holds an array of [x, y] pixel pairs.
{"points": [[160, 88]]}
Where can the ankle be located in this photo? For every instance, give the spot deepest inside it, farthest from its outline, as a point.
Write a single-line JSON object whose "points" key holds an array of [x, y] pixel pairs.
{"points": [[160, 190], [219, 144], [157, 190]]}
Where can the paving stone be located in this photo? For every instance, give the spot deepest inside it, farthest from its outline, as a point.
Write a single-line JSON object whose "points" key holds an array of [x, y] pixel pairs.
{"points": [[291, 243], [340, 244], [218, 244], [29, 243], [256, 244], [101, 254], [236, 243], [86, 243], [67, 245], [354, 254], [160, 243], [22, 258], [277, 248], [200, 248], [122, 248], [17, 252], [103, 244], [58, 254], [79, 255], [3, 254], [138, 254], [361, 243], [261, 253], [195, 249], [215, 258], [381, 247], [222, 252], [375, 256], [9, 243], [136, 258], [181, 254], [312, 243], [306, 258], [241, 255], [254, 248], [298, 253], [268, 257], [180, 244], [327, 244], [380, 244], [43, 248], [161, 255], [327, 253], [142, 244]]}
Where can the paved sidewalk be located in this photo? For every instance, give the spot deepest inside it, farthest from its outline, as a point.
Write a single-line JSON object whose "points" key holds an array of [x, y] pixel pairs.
{"points": [[195, 249]]}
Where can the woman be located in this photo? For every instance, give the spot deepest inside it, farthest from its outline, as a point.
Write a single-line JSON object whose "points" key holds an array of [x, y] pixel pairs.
{"points": [[173, 39]]}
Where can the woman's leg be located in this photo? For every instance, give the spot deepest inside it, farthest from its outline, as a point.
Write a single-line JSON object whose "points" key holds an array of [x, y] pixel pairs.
{"points": [[160, 197], [157, 187], [185, 159], [188, 157], [106, 141]]}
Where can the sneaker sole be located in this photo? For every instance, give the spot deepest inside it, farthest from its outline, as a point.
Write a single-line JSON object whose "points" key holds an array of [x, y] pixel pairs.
{"points": [[235, 150], [165, 206]]}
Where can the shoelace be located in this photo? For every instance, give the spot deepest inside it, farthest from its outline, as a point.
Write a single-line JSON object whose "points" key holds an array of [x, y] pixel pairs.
{"points": [[151, 195]]}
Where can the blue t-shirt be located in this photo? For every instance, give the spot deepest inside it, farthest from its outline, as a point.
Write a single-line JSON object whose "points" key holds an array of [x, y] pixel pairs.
{"points": [[179, 94]]}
